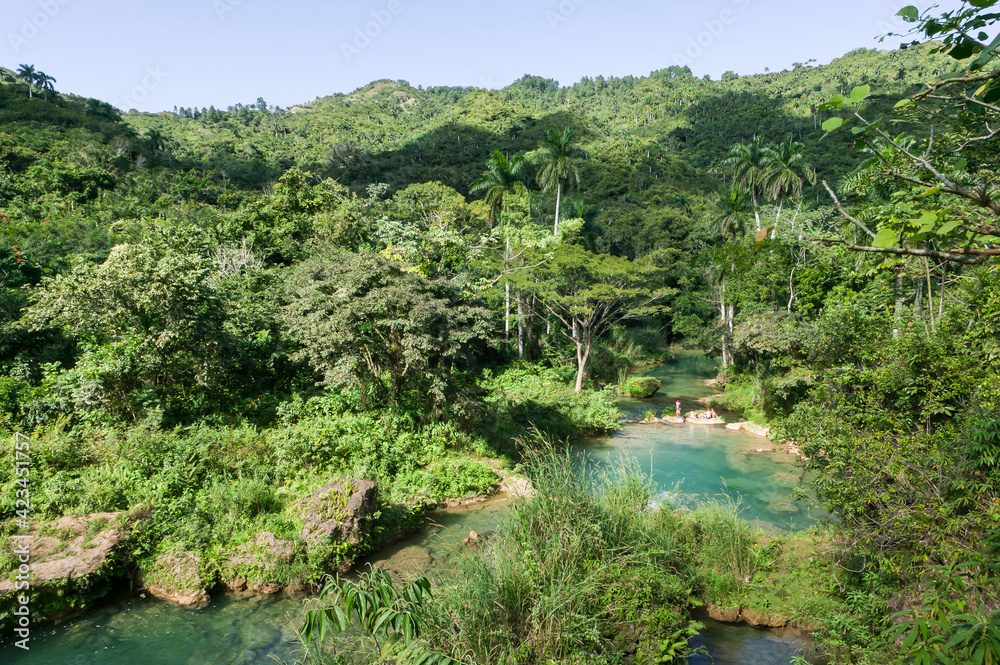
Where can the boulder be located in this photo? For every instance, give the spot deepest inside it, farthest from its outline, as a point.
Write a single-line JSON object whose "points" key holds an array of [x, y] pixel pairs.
{"points": [[254, 565], [755, 429], [177, 578], [340, 510], [725, 615], [73, 557], [640, 387]]}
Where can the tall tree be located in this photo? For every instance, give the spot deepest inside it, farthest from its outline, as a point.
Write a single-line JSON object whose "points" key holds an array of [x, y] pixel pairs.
{"points": [[368, 320], [559, 156], [503, 177], [786, 170], [27, 74], [588, 293], [730, 214], [746, 163], [44, 82]]}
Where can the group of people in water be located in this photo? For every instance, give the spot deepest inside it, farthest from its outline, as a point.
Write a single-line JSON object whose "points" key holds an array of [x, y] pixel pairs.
{"points": [[701, 415]]}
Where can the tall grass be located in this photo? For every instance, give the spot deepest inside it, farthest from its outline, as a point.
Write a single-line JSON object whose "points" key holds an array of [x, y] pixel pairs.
{"points": [[582, 572]]}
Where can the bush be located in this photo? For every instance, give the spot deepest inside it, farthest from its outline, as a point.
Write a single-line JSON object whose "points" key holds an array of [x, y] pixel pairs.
{"points": [[601, 580], [640, 386], [523, 397]]}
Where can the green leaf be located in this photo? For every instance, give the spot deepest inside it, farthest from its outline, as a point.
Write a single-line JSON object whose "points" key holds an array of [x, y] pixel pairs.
{"points": [[909, 14], [903, 103], [930, 191], [961, 163], [948, 227], [831, 124], [860, 92], [885, 238]]}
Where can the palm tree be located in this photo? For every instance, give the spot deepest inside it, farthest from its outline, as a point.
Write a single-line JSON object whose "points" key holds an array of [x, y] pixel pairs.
{"points": [[156, 141], [502, 178], [746, 164], [731, 213], [559, 157], [682, 201], [27, 74], [785, 170], [44, 82]]}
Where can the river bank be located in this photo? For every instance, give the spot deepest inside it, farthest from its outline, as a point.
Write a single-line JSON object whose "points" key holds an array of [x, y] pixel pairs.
{"points": [[439, 550]]}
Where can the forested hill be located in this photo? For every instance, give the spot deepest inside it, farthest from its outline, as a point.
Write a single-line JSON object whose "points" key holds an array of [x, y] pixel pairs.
{"points": [[649, 138], [206, 315]]}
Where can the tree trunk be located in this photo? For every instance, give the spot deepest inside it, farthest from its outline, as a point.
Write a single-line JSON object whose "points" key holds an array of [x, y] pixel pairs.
{"points": [[930, 293], [555, 231], [756, 213], [582, 353], [520, 325], [506, 311], [722, 314], [506, 314], [899, 302], [781, 204], [791, 287]]}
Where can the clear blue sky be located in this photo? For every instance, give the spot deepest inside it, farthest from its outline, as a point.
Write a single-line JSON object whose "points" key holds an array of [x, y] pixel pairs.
{"points": [[155, 54]]}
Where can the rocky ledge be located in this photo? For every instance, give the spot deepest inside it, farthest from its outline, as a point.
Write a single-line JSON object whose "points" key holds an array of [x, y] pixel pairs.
{"points": [[72, 559]]}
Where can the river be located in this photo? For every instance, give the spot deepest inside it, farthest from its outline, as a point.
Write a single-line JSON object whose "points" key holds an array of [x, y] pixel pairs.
{"points": [[688, 463]]}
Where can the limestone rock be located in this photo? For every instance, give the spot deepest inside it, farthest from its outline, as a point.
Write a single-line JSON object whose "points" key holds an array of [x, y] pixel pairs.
{"points": [[725, 615], [83, 546], [177, 578], [755, 429], [340, 510]]}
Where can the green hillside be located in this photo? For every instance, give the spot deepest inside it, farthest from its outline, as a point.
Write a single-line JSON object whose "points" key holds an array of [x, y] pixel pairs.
{"points": [[207, 315]]}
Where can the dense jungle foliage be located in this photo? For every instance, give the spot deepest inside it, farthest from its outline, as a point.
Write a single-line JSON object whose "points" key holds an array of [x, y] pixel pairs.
{"points": [[206, 313]]}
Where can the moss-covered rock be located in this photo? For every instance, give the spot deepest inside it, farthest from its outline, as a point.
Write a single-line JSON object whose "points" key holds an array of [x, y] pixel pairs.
{"points": [[640, 387], [177, 578], [72, 559]]}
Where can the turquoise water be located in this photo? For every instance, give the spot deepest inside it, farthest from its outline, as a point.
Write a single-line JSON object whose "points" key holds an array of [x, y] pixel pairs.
{"points": [[131, 630], [707, 461], [690, 463]]}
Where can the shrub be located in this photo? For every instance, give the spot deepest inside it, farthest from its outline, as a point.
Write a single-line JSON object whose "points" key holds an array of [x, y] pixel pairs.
{"points": [[640, 386]]}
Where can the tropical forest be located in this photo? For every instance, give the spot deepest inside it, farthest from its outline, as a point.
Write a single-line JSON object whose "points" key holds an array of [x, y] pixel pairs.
{"points": [[642, 369]]}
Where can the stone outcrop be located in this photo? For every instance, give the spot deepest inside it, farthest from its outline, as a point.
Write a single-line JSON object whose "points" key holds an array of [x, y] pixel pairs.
{"points": [[177, 578], [748, 426], [254, 566], [340, 510], [71, 548], [72, 557], [754, 618]]}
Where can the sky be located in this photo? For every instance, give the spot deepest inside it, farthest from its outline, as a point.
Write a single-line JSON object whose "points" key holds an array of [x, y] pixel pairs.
{"points": [[152, 55]]}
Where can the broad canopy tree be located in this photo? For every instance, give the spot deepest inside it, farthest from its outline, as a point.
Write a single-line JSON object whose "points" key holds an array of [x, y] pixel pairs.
{"points": [[588, 293], [366, 320]]}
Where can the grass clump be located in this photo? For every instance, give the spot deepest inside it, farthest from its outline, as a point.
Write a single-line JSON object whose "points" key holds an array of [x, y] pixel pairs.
{"points": [[581, 573]]}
